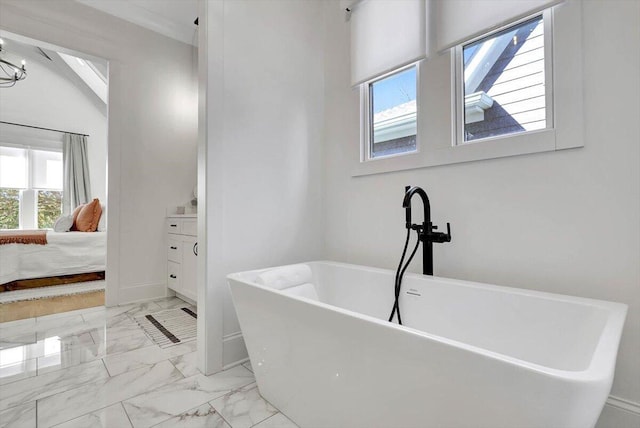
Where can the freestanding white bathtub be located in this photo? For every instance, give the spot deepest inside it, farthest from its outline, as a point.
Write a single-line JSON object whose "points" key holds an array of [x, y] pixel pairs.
{"points": [[469, 355]]}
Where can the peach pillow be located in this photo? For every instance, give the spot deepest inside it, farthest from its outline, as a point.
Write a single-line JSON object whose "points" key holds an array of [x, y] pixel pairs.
{"points": [[74, 216], [89, 216]]}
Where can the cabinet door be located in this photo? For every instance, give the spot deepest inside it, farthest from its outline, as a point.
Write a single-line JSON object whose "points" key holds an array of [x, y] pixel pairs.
{"points": [[174, 225], [190, 227], [189, 267], [174, 276], [174, 249]]}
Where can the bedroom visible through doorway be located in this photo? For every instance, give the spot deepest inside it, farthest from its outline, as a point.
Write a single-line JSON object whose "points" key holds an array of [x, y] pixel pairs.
{"points": [[53, 187]]}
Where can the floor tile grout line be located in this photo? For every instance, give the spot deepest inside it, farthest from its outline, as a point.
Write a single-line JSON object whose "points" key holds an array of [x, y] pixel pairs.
{"points": [[272, 416], [93, 340], [218, 411], [51, 395], [105, 367], [186, 411], [172, 416], [231, 392], [179, 380], [124, 409], [143, 364], [104, 381], [158, 387], [38, 368], [124, 335], [219, 414], [38, 362], [79, 416]]}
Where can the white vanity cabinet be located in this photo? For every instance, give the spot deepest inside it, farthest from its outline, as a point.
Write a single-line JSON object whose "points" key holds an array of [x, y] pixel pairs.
{"points": [[182, 253]]}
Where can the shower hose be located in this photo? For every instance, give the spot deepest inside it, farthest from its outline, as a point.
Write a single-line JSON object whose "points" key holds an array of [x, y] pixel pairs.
{"points": [[400, 274]]}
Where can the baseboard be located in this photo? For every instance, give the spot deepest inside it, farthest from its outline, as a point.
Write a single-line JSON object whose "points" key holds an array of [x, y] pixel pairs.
{"points": [[186, 299], [234, 350], [621, 403], [141, 293], [619, 413]]}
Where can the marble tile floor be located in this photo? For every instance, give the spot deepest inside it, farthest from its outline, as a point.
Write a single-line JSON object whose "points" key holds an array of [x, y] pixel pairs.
{"points": [[97, 368]]}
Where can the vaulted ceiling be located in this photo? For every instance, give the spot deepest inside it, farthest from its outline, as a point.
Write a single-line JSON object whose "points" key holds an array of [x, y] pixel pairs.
{"points": [[88, 75], [172, 18]]}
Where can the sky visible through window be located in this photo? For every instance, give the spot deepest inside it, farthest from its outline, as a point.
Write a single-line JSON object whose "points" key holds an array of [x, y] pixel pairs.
{"points": [[394, 90]]}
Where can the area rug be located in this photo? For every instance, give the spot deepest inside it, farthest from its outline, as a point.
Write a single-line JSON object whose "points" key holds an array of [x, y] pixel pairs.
{"points": [[170, 327], [51, 291]]}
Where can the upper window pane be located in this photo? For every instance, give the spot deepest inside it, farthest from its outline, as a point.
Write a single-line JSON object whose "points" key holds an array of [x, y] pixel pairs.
{"points": [[393, 114], [504, 82], [13, 168], [47, 169]]}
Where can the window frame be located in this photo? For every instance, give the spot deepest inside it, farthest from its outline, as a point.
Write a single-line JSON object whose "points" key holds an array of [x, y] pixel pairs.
{"points": [[366, 115], [459, 95]]}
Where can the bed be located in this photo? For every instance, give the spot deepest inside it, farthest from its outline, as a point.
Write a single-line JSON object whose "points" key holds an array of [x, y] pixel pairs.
{"points": [[66, 253]]}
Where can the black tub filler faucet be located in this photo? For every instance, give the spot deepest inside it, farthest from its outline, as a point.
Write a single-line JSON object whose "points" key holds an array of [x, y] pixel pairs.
{"points": [[425, 230]]}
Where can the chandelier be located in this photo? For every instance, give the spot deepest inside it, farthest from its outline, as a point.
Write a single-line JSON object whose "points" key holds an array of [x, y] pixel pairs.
{"points": [[9, 72]]}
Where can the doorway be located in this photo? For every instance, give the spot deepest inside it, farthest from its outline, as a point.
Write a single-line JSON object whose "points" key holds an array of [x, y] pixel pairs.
{"points": [[53, 159]]}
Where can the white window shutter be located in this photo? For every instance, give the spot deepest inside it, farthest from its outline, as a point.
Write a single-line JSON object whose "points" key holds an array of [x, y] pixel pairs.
{"points": [[461, 20], [385, 35]]}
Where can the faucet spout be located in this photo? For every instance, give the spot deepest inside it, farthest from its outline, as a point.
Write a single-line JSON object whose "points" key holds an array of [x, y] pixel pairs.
{"points": [[406, 203], [426, 232]]}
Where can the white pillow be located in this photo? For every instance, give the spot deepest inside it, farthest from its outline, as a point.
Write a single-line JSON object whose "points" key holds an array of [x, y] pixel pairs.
{"points": [[102, 224], [63, 223]]}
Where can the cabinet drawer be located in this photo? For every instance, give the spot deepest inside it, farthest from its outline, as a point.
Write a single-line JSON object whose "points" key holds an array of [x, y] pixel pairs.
{"points": [[174, 250], [190, 227], [173, 275], [174, 225]]}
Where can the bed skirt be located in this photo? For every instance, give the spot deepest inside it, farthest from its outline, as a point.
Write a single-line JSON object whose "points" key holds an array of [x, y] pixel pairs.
{"points": [[22, 284]]}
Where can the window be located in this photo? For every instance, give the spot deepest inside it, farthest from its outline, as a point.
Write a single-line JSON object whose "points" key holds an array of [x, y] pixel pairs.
{"points": [[390, 114], [498, 82], [30, 188], [504, 87]]}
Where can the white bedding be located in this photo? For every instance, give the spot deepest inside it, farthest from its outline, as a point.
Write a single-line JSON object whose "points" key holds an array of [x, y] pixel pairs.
{"points": [[65, 253]]}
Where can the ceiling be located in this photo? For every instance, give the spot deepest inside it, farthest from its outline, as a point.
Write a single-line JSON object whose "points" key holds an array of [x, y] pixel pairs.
{"points": [[88, 75], [172, 18]]}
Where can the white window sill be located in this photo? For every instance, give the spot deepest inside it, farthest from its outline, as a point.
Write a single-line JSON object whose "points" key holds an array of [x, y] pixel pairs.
{"points": [[504, 146]]}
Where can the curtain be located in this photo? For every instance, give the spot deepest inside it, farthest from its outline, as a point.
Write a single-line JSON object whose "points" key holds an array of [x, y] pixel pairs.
{"points": [[76, 185]]}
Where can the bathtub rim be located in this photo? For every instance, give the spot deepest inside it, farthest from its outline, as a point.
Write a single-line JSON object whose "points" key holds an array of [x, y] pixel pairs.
{"points": [[600, 368]]}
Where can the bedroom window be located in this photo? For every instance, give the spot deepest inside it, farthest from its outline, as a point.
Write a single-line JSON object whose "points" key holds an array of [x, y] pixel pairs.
{"points": [[30, 188]]}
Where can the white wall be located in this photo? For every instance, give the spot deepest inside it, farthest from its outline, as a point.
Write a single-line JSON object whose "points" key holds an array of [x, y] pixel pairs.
{"points": [[263, 147], [152, 131], [564, 222], [48, 99]]}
